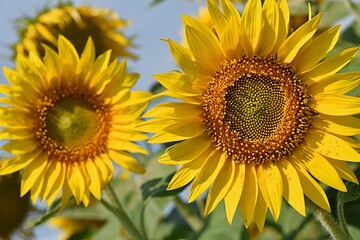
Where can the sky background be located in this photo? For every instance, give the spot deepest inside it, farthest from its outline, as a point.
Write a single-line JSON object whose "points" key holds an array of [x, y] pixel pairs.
{"points": [[149, 24]]}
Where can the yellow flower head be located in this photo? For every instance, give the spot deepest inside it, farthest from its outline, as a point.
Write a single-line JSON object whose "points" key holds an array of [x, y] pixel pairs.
{"points": [[13, 208], [67, 118], [77, 24], [261, 113]]}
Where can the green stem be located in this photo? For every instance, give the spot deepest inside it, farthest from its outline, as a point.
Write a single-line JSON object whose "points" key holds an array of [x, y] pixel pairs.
{"points": [[113, 204], [353, 9], [189, 216], [326, 220], [341, 217]]}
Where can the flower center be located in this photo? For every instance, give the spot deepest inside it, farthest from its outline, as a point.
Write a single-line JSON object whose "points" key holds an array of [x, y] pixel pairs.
{"points": [[256, 109], [254, 106], [72, 126]]}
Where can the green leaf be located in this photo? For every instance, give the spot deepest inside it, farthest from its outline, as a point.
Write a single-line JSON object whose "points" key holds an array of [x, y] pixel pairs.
{"points": [[353, 191], [157, 188], [156, 2]]}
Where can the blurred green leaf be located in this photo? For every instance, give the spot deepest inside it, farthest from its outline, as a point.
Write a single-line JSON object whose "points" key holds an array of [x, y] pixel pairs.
{"points": [[156, 2], [353, 191], [156, 88]]}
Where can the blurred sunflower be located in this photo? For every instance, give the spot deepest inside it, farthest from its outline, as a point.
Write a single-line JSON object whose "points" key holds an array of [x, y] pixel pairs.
{"points": [[260, 114], [72, 227], [13, 208], [67, 118], [76, 23]]}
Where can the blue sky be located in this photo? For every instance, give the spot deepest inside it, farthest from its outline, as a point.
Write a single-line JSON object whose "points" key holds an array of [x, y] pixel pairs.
{"points": [[148, 24]]}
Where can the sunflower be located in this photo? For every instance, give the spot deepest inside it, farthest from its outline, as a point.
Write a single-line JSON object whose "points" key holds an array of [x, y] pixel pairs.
{"points": [[76, 23], [260, 114], [66, 118], [72, 227]]}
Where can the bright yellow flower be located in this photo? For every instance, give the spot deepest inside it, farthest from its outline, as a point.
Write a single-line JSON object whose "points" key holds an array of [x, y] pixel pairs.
{"points": [[13, 208], [67, 118], [77, 24], [261, 115]]}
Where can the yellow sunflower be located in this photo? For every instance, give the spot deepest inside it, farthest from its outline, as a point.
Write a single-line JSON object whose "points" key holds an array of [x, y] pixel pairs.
{"points": [[261, 114], [66, 118], [76, 23]]}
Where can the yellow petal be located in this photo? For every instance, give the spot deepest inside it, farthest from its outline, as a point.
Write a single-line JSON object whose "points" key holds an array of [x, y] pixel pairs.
{"points": [[179, 131], [311, 188], [125, 145], [31, 173], [57, 185], [67, 52], [188, 171], [232, 198], [341, 83], [341, 125], [207, 174], [290, 47], [284, 18], [186, 151], [343, 170], [156, 124], [76, 181], [205, 48], [177, 110], [95, 181], [329, 66], [293, 191], [260, 211], [53, 172], [249, 195], [128, 135], [316, 50], [126, 161], [181, 83], [230, 38], [20, 146], [335, 105], [252, 17], [221, 186], [217, 17], [269, 28], [331, 146], [18, 162], [271, 186], [318, 166], [186, 61]]}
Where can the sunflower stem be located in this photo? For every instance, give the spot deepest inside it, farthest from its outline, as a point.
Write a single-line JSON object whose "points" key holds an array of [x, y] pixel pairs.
{"points": [[114, 205], [341, 216], [353, 9], [327, 221]]}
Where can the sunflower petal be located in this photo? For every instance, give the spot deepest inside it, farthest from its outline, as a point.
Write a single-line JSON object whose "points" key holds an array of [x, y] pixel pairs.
{"points": [[311, 188], [331, 146], [207, 174], [341, 125], [186, 151], [329, 67], [260, 211], [271, 186], [335, 105], [249, 195], [126, 161], [293, 191], [343, 169], [252, 17], [290, 47], [312, 53], [319, 167], [341, 83], [232, 198], [221, 186]]}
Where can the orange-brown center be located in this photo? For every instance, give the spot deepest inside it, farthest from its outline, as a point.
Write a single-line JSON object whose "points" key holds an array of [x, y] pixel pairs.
{"points": [[72, 125], [256, 109]]}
